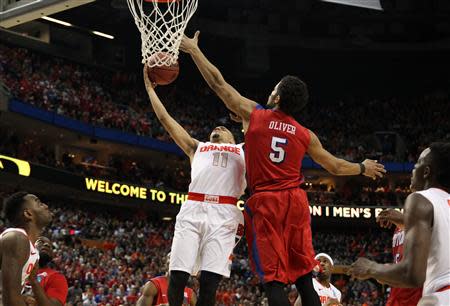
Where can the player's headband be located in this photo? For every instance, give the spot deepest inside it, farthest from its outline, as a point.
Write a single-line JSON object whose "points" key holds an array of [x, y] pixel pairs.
{"points": [[326, 256]]}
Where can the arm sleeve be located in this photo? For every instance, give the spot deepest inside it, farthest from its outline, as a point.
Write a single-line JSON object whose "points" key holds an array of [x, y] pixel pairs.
{"points": [[57, 288]]}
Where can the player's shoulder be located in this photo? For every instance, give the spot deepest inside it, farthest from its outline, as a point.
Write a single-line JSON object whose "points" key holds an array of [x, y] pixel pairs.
{"points": [[56, 276], [336, 290], [12, 236], [57, 279], [15, 231], [259, 110], [159, 278], [418, 203], [316, 283]]}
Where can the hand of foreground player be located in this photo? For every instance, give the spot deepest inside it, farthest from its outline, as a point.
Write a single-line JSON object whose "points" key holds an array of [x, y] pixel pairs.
{"points": [[32, 279], [189, 44], [29, 300], [373, 169], [361, 268], [332, 302], [390, 216], [149, 85]]}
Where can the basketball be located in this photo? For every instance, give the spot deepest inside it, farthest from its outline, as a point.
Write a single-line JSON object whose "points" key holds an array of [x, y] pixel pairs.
{"points": [[162, 75]]}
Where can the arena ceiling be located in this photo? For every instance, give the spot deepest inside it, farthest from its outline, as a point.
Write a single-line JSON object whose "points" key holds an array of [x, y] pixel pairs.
{"points": [[401, 21], [16, 12]]}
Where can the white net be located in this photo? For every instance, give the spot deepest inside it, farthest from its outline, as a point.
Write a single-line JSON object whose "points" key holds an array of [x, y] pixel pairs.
{"points": [[162, 24]]}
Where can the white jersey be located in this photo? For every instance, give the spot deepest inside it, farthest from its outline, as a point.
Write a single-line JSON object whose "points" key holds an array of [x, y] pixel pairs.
{"points": [[326, 293], [32, 258], [218, 169], [438, 265]]}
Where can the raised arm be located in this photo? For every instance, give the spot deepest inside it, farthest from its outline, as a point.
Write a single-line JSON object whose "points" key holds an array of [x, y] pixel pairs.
{"points": [[339, 166], [149, 292], [175, 130], [15, 249], [411, 271], [233, 100]]}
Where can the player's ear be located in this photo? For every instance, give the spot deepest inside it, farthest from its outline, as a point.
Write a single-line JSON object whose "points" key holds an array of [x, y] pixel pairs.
{"points": [[27, 215], [276, 100], [426, 172]]}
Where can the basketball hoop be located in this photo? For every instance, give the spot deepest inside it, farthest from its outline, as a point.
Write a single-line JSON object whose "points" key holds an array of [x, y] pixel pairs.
{"points": [[162, 27]]}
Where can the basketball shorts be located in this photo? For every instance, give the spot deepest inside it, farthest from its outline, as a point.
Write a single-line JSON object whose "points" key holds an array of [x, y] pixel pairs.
{"points": [[278, 232], [205, 236], [436, 299]]}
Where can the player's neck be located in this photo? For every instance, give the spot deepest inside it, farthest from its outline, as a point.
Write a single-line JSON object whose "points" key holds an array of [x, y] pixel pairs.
{"points": [[222, 142], [324, 281], [33, 231]]}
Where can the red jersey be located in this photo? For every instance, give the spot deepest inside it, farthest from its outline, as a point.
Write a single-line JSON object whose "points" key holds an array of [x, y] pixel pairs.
{"points": [[402, 296], [275, 145], [54, 284], [162, 285]]}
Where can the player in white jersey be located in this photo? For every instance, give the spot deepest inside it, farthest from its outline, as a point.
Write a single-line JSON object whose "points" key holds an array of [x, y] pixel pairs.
{"points": [[208, 222], [426, 255], [329, 295], [27, 216]]}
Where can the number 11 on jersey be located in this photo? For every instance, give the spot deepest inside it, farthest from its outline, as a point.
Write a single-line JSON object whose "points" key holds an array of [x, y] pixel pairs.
{"points": [[278, 153], [223, 157]]}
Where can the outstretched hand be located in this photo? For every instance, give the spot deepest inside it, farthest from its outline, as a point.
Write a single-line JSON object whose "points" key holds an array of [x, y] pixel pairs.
{"points": [[189, 44], [373, 169], [149, 85], [390, 216], [361, 268], [29, 300]]}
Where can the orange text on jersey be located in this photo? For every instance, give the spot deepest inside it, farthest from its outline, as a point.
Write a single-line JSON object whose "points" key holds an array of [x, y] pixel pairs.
{"points": [[231, 149]]}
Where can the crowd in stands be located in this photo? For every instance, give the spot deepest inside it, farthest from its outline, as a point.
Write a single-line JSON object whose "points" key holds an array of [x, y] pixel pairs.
{"points": [[388, 129], [107, 255], [176, 175]]}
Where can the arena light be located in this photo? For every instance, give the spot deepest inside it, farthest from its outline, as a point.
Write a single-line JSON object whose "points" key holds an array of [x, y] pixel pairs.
{"points": [[369, 4], [57, 21], [103, 34], [167, 219]]}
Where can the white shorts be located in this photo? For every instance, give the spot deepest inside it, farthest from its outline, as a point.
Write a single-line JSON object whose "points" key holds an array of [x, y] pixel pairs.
{"points": [[205, 236], [436, 299]]}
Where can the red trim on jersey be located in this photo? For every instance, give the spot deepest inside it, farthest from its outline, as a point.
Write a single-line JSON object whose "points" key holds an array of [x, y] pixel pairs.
{"points": [[214, 199], [444, 288]]}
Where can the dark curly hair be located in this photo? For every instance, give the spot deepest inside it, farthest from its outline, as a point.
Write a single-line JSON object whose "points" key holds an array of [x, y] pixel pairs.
{"points": [[294, 95], [440, 162], [13, 207]]}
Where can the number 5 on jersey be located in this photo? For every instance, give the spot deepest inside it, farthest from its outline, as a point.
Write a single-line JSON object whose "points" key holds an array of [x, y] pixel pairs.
{"points": [[278, 153]]}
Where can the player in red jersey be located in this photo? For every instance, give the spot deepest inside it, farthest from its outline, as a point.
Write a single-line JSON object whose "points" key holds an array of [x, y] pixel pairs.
{"points": [[398, 296], [154, 292], [277, 215], [49, 287]]}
